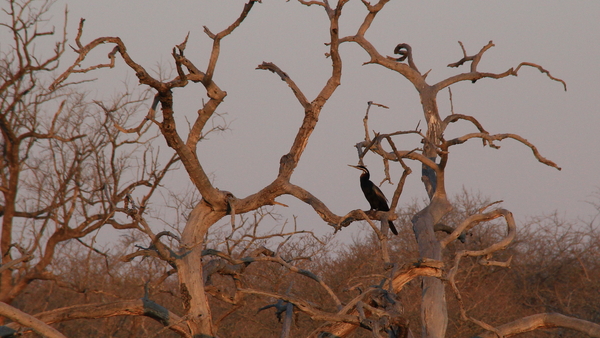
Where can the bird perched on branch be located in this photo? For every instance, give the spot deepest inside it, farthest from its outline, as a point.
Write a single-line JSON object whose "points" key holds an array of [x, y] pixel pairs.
{"points": [[373, 194]]}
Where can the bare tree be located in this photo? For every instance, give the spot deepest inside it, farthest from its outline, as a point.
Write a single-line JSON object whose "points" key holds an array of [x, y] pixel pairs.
{"points": [[216, 204], [65, 162], [433, 309], [377, 308]]}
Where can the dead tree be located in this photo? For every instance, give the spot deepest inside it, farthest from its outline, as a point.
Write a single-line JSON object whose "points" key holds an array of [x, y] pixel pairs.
{"points": [[216, 204], [62, 159], [375, 308], [433, 310]]}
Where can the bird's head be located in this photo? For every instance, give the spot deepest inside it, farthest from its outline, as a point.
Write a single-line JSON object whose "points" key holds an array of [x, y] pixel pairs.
{"points": [[360, 167]]}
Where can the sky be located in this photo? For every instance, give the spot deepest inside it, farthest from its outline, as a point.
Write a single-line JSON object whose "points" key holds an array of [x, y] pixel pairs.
{"points": [[264, 116]]}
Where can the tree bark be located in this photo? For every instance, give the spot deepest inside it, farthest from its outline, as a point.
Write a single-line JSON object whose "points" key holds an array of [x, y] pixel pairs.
{"points": [[434, 313], [135, 307], [544, 320], [29, 321], [189, 268], [341, 329]]}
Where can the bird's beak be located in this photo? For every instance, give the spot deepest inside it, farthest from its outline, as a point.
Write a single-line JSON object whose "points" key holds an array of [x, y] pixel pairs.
{"points": [[353, 166]]}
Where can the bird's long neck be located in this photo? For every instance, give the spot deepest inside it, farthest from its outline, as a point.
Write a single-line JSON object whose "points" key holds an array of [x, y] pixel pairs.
{"points": [[365, 182]]}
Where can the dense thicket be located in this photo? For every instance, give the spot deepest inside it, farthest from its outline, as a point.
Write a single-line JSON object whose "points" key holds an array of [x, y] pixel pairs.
{"points": [[555, 267]]}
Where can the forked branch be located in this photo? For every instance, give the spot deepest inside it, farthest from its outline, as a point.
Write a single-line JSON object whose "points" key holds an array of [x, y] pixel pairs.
{"points": [[135, 307], [543, 321], [475, 74], [499, 137], [485, 253], [275, 258], [341, 328]]}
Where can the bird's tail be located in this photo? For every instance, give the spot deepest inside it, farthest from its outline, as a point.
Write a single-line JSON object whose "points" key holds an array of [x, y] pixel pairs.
{"points": [[392, 227]]}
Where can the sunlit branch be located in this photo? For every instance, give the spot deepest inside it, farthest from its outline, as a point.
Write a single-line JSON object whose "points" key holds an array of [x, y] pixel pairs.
{"points": [[500, 137], [284, 77], [485, 253], [305, 307]]}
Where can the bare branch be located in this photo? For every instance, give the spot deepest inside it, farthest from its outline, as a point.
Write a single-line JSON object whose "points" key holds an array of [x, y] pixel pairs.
{"points": [[305, 307], [136, 307], [475, 75], [276, 258], [474, 58], [382, 238], [404, 275], [284, 77], [407, 171], [29, 321], [14, 262], [543, 321], [214, 55], [486, 253], [500, 137], [541, 69]]}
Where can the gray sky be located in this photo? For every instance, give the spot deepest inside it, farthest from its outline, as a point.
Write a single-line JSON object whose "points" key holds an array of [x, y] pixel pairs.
{"points": [[562, 36]]}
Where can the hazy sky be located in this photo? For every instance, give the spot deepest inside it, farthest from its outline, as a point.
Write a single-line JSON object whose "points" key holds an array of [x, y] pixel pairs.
{"points": [[562, 36]]}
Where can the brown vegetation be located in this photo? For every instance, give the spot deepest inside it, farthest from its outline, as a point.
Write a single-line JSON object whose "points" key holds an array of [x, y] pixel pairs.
{"points": [[555, 268], [72, 165]]}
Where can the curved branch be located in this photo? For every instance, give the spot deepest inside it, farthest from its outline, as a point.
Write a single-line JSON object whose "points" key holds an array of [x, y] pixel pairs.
{"points": [[541, 69], [486, 253], [474, 58], [26, 320], [500, 137], [320, 208], [327, 215], [475, 75], [541, 321], [135, 307], [455, 117], [305, 307], [276, 258], [405, 52], [424, 268], [218, 37], [284, 77]]}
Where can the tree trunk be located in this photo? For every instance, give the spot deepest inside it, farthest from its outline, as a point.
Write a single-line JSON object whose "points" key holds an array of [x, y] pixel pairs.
{"points": [[10, 200], [434, 315], [189, 269]]}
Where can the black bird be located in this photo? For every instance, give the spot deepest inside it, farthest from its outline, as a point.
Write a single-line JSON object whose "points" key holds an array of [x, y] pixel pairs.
{"points": [[373, 194]]}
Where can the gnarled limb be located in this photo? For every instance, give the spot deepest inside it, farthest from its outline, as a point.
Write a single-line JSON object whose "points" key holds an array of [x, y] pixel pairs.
{"points": [[475, 75], [135, 307], [27, 320], [284, 77], [486, 253], [499, 137], [434, 314], [543, 321], [402, 277]]}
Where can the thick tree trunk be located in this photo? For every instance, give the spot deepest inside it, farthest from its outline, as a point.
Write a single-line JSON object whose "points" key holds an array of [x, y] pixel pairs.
{"points": [[189, 269], [434, 314], [10, 199]]}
